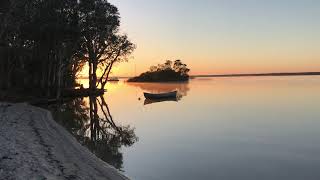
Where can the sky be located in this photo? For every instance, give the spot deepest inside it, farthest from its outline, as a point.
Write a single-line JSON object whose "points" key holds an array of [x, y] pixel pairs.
{"points": [[222, 36]]}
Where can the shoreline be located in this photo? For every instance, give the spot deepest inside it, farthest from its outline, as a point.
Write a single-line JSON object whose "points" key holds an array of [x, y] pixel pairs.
{"points": [[261, 74], [34, 146]]}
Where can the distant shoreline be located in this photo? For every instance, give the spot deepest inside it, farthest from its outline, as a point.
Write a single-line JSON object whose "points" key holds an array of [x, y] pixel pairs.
{"points": [[262, 74], [245, 75]]}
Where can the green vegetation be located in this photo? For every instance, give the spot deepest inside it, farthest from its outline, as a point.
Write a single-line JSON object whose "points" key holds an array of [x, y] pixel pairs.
{"points": [[167, 72], [44, 44]]}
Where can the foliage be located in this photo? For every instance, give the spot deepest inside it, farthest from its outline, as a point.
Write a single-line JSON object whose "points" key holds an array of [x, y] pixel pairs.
{"points": [[169, 71], [44, 44], [101, 43]]}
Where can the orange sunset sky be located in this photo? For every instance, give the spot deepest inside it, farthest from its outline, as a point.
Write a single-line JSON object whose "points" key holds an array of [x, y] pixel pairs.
{"points": [[222, 36]]}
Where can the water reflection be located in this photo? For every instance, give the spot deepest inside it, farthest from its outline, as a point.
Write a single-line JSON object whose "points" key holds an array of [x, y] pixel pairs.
{"points": [[113, 82], [182, 88], [152, 101], [90, 121], [226, 129]]}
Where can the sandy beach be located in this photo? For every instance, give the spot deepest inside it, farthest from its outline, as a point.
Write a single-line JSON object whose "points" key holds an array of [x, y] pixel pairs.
{"points": [[34, 146]]}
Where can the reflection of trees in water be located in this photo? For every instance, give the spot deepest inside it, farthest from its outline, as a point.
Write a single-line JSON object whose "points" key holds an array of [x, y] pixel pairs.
{"points": [[72, 115], [182, 88], [99, 133]]}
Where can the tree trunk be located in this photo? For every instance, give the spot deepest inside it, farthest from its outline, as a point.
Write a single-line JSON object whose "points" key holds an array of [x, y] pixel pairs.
{"points": [[94, 80], [91, 117], [93, 74], [59, 74], [106, 78], [9, 80], [49, 66], [90, 75], [43, 72]]}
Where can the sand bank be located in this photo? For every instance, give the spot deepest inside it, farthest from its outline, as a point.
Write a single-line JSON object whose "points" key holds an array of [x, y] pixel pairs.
{"points": [[34, 146]]}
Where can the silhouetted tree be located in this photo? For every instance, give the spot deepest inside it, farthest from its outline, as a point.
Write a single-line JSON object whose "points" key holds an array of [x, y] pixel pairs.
{"points": [[37, 42], [102, 45], [118, 50], [44, 44]]}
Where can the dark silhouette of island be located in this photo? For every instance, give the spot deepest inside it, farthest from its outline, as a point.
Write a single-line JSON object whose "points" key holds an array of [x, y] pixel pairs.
{"points": [[168, 72]]}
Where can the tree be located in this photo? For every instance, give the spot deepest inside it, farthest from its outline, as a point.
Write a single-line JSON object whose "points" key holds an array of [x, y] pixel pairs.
{"points": [[153, 68], [102, 45], [178, 66], [168, 64], [117, 51], [44, 44]]}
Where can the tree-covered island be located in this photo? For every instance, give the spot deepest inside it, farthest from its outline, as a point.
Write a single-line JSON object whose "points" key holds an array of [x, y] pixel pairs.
{"points": [[168, 72]]}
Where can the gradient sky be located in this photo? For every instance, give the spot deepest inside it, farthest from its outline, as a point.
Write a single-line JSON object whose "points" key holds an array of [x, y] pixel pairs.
{"points": [[222, 36]]}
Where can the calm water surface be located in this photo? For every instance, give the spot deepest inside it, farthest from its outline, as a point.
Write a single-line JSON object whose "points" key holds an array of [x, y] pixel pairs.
{"points": [[224, 128]]}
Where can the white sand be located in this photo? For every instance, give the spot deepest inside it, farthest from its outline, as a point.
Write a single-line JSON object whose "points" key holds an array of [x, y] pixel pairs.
{"points": [[34, 146]]}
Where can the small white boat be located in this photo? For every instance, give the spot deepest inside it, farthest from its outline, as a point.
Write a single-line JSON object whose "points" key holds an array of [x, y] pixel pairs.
{"points": [[160, 95]]}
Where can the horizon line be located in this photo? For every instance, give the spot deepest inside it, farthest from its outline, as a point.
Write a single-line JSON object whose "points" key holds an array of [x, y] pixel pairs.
{"points": [[312, 73], [316, 73]]}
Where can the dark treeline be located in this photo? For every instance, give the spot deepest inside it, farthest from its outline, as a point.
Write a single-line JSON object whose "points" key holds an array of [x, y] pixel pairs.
{"points": [[168, 72], [44, 44]]}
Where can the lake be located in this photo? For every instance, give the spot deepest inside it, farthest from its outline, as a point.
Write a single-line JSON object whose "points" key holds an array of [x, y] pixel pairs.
{"points": [[220, 128]]}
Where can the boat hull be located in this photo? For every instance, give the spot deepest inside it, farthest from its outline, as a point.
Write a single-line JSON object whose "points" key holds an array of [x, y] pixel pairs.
{"points": [[161, 95]]}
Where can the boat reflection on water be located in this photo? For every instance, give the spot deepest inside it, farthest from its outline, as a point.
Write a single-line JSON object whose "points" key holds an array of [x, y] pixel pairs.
{"points": [[90, 121], [182, 89], [114, 82], [152, 101]]}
